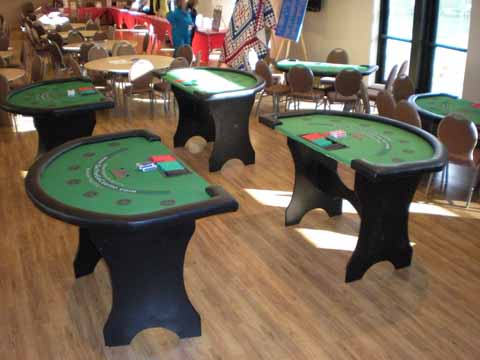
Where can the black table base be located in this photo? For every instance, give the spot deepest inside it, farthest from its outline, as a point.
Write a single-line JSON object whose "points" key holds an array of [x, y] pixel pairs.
{"points": [[146, 270], [224, 121], [382, 206], [55, 129]]}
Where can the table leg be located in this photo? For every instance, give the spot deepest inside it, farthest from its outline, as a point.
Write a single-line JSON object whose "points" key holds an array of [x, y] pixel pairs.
{"points": [[87, 255], [57, 130], [384, 224], [232, 138], [146, 269], [194, 119]]}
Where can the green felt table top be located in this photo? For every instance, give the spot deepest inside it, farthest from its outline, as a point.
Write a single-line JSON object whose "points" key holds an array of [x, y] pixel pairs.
{"points": [[102, 178], [443, 105], [371, 141], [319, 67], [54, 96], [210, 81]]}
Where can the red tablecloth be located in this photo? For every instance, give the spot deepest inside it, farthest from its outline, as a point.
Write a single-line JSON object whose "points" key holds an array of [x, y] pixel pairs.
{"points": [[205, 41], [86, 13]]}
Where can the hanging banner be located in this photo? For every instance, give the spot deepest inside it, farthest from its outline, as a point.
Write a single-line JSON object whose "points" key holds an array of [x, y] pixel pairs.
{"points": [[290, 21]]}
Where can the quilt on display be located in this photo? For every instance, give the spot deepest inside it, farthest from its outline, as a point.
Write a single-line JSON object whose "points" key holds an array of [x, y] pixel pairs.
{"points": [[249, 18]]}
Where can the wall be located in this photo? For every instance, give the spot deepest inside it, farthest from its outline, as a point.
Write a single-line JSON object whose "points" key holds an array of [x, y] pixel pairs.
{"points": [[10, 8], [471, 86]]}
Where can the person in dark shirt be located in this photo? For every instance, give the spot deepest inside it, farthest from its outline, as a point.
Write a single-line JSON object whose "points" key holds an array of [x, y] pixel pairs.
{"points": [[191, 7]]}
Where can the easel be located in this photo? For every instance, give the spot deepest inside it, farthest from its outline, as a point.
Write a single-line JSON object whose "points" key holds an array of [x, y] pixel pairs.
{"points": [[288, 44]]}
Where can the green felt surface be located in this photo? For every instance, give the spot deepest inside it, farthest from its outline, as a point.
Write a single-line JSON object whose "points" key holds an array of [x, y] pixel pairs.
{"points": [[377, 143], [443, 105], [319, 67], [54, 96], [84, 177], [210, 81]]}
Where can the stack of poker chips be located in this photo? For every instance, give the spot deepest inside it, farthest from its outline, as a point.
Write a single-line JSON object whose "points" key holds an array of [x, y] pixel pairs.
{"points": [[168, 164], [146, 166], [327, 140]]}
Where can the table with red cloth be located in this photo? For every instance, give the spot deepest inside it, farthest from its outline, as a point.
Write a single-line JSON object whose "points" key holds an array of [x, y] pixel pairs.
{"points": [[207, 40]]}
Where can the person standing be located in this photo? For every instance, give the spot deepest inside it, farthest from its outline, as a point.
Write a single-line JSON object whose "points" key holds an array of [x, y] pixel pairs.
{"points": [[182, 24]]}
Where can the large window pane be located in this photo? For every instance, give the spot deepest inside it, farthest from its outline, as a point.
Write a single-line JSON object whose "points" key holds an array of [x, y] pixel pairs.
{"points": [[449, 71], [454, 22], [396, 53], [400, 18]]}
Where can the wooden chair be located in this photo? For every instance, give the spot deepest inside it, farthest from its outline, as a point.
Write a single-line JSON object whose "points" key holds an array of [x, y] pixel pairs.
{"points": [[84, 50], [460, 137], [92, 26], [300, 81], [186, 52], [374, 89], [164, 87], [100, 36], [124, 49], [37, 71], [140, 77], [97, 52], [407, 113], [56, 38], [73, 66], [276, 91], [385, 104], [56, 59], [75, 36], [347, 88], [403, 88]]}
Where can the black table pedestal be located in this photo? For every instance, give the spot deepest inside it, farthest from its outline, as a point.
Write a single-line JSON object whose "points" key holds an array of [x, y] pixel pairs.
{"points": [[382, 206], [223, 121], [55, 129], [146, 269]]}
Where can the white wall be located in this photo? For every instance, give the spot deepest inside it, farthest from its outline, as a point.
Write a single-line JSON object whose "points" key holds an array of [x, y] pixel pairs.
{"points": [[471, 86], [205, 7]]}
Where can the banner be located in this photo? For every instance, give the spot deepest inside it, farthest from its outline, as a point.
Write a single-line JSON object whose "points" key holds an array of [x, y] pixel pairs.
{"points": [[290, 21]]}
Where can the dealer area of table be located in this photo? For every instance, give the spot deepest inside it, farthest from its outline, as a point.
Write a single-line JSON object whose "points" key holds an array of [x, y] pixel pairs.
{"points": [[58, 117], [388, 157], [139, 223], [322, 68], [215, 103], [433, 107]]}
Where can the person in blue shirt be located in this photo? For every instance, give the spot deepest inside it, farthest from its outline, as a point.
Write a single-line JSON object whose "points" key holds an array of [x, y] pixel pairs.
{"points": [[182, 24]]}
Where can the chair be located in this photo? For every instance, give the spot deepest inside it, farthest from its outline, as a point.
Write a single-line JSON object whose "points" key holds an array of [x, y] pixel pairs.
{"points": [[124, 49], [100, 36], [73, 66], [300, 81], [338, 56], [140, 77], [460, 152], [403, 88], [374, 89], [403, 69], [111, 33], [364, 100], [4, 41], [186, 52], [75, 36], [39, 27], [347, 88], [92, 26], [4, 90], [64, 27], [97, 52], [276, 91], [56, 59], [407, 113], [116, 44], [84, 49], [56, 38], [146, 43], [164, 87], [198, 59], [385, 104], [37, 71]]}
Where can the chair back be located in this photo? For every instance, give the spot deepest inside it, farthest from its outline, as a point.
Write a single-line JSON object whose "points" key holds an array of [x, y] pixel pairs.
{"points": [[263, 70], [186, 52], [97, 52], [363, 92], [4, 90], [347, 82], [146, 43], [73, 66], [64, 27], [124, 49], [100, 36], [406, 112], [84, 49], [391, 78], [37, 25], [3, 62], [111, 33], [56, 38], [75, 36], [178, 63], [460, 137], [140, 74], [403, 88], [385, 104], [403, 69], [37, 71], [300, 79], [92, 26], [338, 56], [4, 41], [56, 56]]}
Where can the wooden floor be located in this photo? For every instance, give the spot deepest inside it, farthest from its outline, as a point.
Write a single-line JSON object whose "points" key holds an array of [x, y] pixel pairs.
{"points": [[263, 291]]}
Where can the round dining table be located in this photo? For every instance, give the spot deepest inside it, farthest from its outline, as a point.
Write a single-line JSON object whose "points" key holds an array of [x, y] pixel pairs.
{"points": [[106, 44], [12, 74], [122, 64], [87, 34], [75, 26]]}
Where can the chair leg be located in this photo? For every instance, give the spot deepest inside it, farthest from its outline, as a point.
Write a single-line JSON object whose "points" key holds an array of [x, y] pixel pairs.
{"points": [[472, 188], [259, 102], [429, 183]]}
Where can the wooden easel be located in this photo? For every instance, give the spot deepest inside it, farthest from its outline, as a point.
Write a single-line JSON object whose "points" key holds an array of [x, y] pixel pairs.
{"points": [[288, 44]]}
